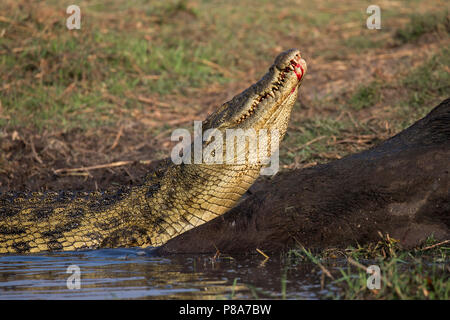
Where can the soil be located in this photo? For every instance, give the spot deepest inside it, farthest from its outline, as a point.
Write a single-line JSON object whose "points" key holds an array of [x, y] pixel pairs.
{"points": [[29, 161]]}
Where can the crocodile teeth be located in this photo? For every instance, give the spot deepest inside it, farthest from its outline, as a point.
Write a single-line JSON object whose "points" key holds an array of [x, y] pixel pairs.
{"points": [[270, 93], [291, 67]]}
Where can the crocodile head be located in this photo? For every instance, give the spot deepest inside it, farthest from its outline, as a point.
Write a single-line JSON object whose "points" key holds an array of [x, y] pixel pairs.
{"points": [[267, 104]]}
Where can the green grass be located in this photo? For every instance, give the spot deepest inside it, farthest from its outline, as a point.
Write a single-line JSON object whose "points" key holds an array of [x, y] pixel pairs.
{"points": [[363, 43], [117, 68], [430, 80], [421, 24], [420, 273], [298, 142], [175, 48], [365, 96], [424, 87]]}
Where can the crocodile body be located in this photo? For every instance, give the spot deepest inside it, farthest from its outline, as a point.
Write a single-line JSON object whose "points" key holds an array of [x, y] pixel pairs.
{"points": [[173, 199]]}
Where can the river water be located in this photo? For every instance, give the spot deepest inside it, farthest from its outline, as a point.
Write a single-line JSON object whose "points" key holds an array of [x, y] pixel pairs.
{"points": [[137, 273]]}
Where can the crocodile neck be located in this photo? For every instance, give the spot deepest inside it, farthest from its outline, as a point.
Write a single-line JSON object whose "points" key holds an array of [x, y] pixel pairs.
{"points": [[173, 199]]}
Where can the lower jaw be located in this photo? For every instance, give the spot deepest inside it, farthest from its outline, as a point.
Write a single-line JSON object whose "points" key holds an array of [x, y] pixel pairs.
{"points": [[269, 123], [294, 88]]}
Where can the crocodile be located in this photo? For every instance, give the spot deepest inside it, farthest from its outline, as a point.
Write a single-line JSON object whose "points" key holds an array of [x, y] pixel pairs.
{"points": [[172, 199]]}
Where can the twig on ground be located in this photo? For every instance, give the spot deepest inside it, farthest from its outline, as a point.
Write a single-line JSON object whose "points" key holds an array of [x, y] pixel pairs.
{"points": [[33, 150], [262, 253], [306, 144], [100, 166], [435, 245], [116, 140]]}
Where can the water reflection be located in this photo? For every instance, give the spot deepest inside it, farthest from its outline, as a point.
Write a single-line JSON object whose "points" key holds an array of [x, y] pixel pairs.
{"points": [[138, 274]]}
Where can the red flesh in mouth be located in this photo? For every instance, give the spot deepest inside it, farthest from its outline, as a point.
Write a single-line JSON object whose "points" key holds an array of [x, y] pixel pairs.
{"points": [[299, 75]]}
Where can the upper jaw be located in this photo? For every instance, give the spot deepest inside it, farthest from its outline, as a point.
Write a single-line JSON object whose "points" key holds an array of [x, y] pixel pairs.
{"points": [[277, 85], [292, 62]]}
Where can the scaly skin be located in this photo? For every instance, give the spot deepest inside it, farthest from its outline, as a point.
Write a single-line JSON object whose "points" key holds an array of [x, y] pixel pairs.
{"points": [[172, 200]]}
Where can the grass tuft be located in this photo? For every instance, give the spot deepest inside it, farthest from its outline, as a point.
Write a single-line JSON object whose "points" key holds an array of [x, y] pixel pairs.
{"points": [[421, 273], [421, 24], [365, 96]]}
